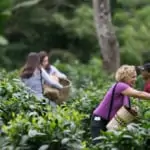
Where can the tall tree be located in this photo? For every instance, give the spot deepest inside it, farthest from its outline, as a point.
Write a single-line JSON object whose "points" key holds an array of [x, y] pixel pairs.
{"points": [[4, 15], [106, 35]]}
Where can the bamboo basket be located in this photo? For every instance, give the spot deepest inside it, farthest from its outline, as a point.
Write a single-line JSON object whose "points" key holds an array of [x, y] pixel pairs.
{"points": [[59, 96], [123, 117]]}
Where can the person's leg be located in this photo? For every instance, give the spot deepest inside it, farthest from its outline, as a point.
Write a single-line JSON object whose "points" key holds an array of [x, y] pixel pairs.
{"points": [[97, 124]]}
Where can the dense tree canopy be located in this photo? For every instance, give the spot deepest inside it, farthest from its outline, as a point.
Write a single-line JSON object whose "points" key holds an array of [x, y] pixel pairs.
{"points": [[66, 28]]}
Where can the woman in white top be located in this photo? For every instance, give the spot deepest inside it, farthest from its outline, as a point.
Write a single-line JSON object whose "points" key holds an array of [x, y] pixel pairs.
{"points": [[51, 70]]}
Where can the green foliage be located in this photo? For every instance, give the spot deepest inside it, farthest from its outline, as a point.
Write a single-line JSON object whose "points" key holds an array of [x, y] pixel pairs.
{"points": [[14, 98], [49, 25], [83, 75], [133, 137], [27, 123], [33, 124], [54, 130], [69, 26], [132, 30], [25, 4], [4, 14]]}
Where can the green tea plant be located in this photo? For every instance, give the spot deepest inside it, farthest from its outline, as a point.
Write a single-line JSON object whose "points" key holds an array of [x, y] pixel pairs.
{"points": [[60, 129], [134, 137], [14, 99], [26, 123], [32, 124]]}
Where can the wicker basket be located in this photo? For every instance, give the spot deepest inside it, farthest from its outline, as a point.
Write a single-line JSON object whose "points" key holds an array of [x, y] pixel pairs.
{"points": [[123, 117], [59, 96]]}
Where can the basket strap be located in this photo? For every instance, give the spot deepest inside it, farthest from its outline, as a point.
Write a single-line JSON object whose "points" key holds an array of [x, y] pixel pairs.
{"points": [[41, 81], [111, 101], [129, 102]]}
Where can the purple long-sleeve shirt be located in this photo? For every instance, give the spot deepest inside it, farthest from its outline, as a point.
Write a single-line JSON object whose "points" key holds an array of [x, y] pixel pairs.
{"points": [[119, 100]]}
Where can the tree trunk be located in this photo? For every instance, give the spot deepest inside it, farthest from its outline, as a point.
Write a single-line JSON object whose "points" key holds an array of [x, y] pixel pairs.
{"points": [[106, 35]]}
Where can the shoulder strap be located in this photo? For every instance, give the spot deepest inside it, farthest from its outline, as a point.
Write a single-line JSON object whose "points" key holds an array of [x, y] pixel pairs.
{"points": [[41, 80], [129, 102], [111, 101]]}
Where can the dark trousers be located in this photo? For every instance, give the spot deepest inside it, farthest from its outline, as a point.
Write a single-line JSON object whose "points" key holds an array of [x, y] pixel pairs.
{"points": [[97, 124]]}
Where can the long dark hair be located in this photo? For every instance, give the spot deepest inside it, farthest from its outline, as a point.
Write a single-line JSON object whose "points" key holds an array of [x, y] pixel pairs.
{"points": [[42, 55], [32, 62]]}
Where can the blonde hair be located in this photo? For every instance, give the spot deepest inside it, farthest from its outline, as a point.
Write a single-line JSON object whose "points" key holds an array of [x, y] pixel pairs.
{"points": [[124, 73]]}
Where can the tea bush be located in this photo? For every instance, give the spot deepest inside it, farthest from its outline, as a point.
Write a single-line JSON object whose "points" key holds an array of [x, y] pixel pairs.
{"points": [[23, 116], [14, 99], [135, 137], [29, 124], [59, 129]]}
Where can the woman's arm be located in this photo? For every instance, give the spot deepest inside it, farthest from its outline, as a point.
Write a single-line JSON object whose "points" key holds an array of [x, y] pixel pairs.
{"points": [[57, 72], [49, 80], [135, 93]]}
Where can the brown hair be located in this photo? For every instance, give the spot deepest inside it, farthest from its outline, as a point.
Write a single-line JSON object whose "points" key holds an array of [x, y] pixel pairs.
{"points": [[42, 55], [32, 62]]}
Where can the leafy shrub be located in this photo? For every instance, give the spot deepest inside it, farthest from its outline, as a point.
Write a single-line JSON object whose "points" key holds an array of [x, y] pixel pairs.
{"points": [[57, 130], [14, 99], [135, 137], [31, 124], [82, 75]]}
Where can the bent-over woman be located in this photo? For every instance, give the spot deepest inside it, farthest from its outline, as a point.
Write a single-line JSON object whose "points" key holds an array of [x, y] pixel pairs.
{"points": [[121, 91]]}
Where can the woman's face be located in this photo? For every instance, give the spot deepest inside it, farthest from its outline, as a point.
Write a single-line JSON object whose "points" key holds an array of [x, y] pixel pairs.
{"points": [[132, 79], [45, 62], [145, 75]]}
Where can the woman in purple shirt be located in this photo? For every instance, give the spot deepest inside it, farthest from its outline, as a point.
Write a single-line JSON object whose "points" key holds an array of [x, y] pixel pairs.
{"points": [[120, 91]]}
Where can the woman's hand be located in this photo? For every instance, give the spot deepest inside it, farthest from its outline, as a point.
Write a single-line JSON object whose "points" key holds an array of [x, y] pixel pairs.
{"points": [[54, 77]]}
